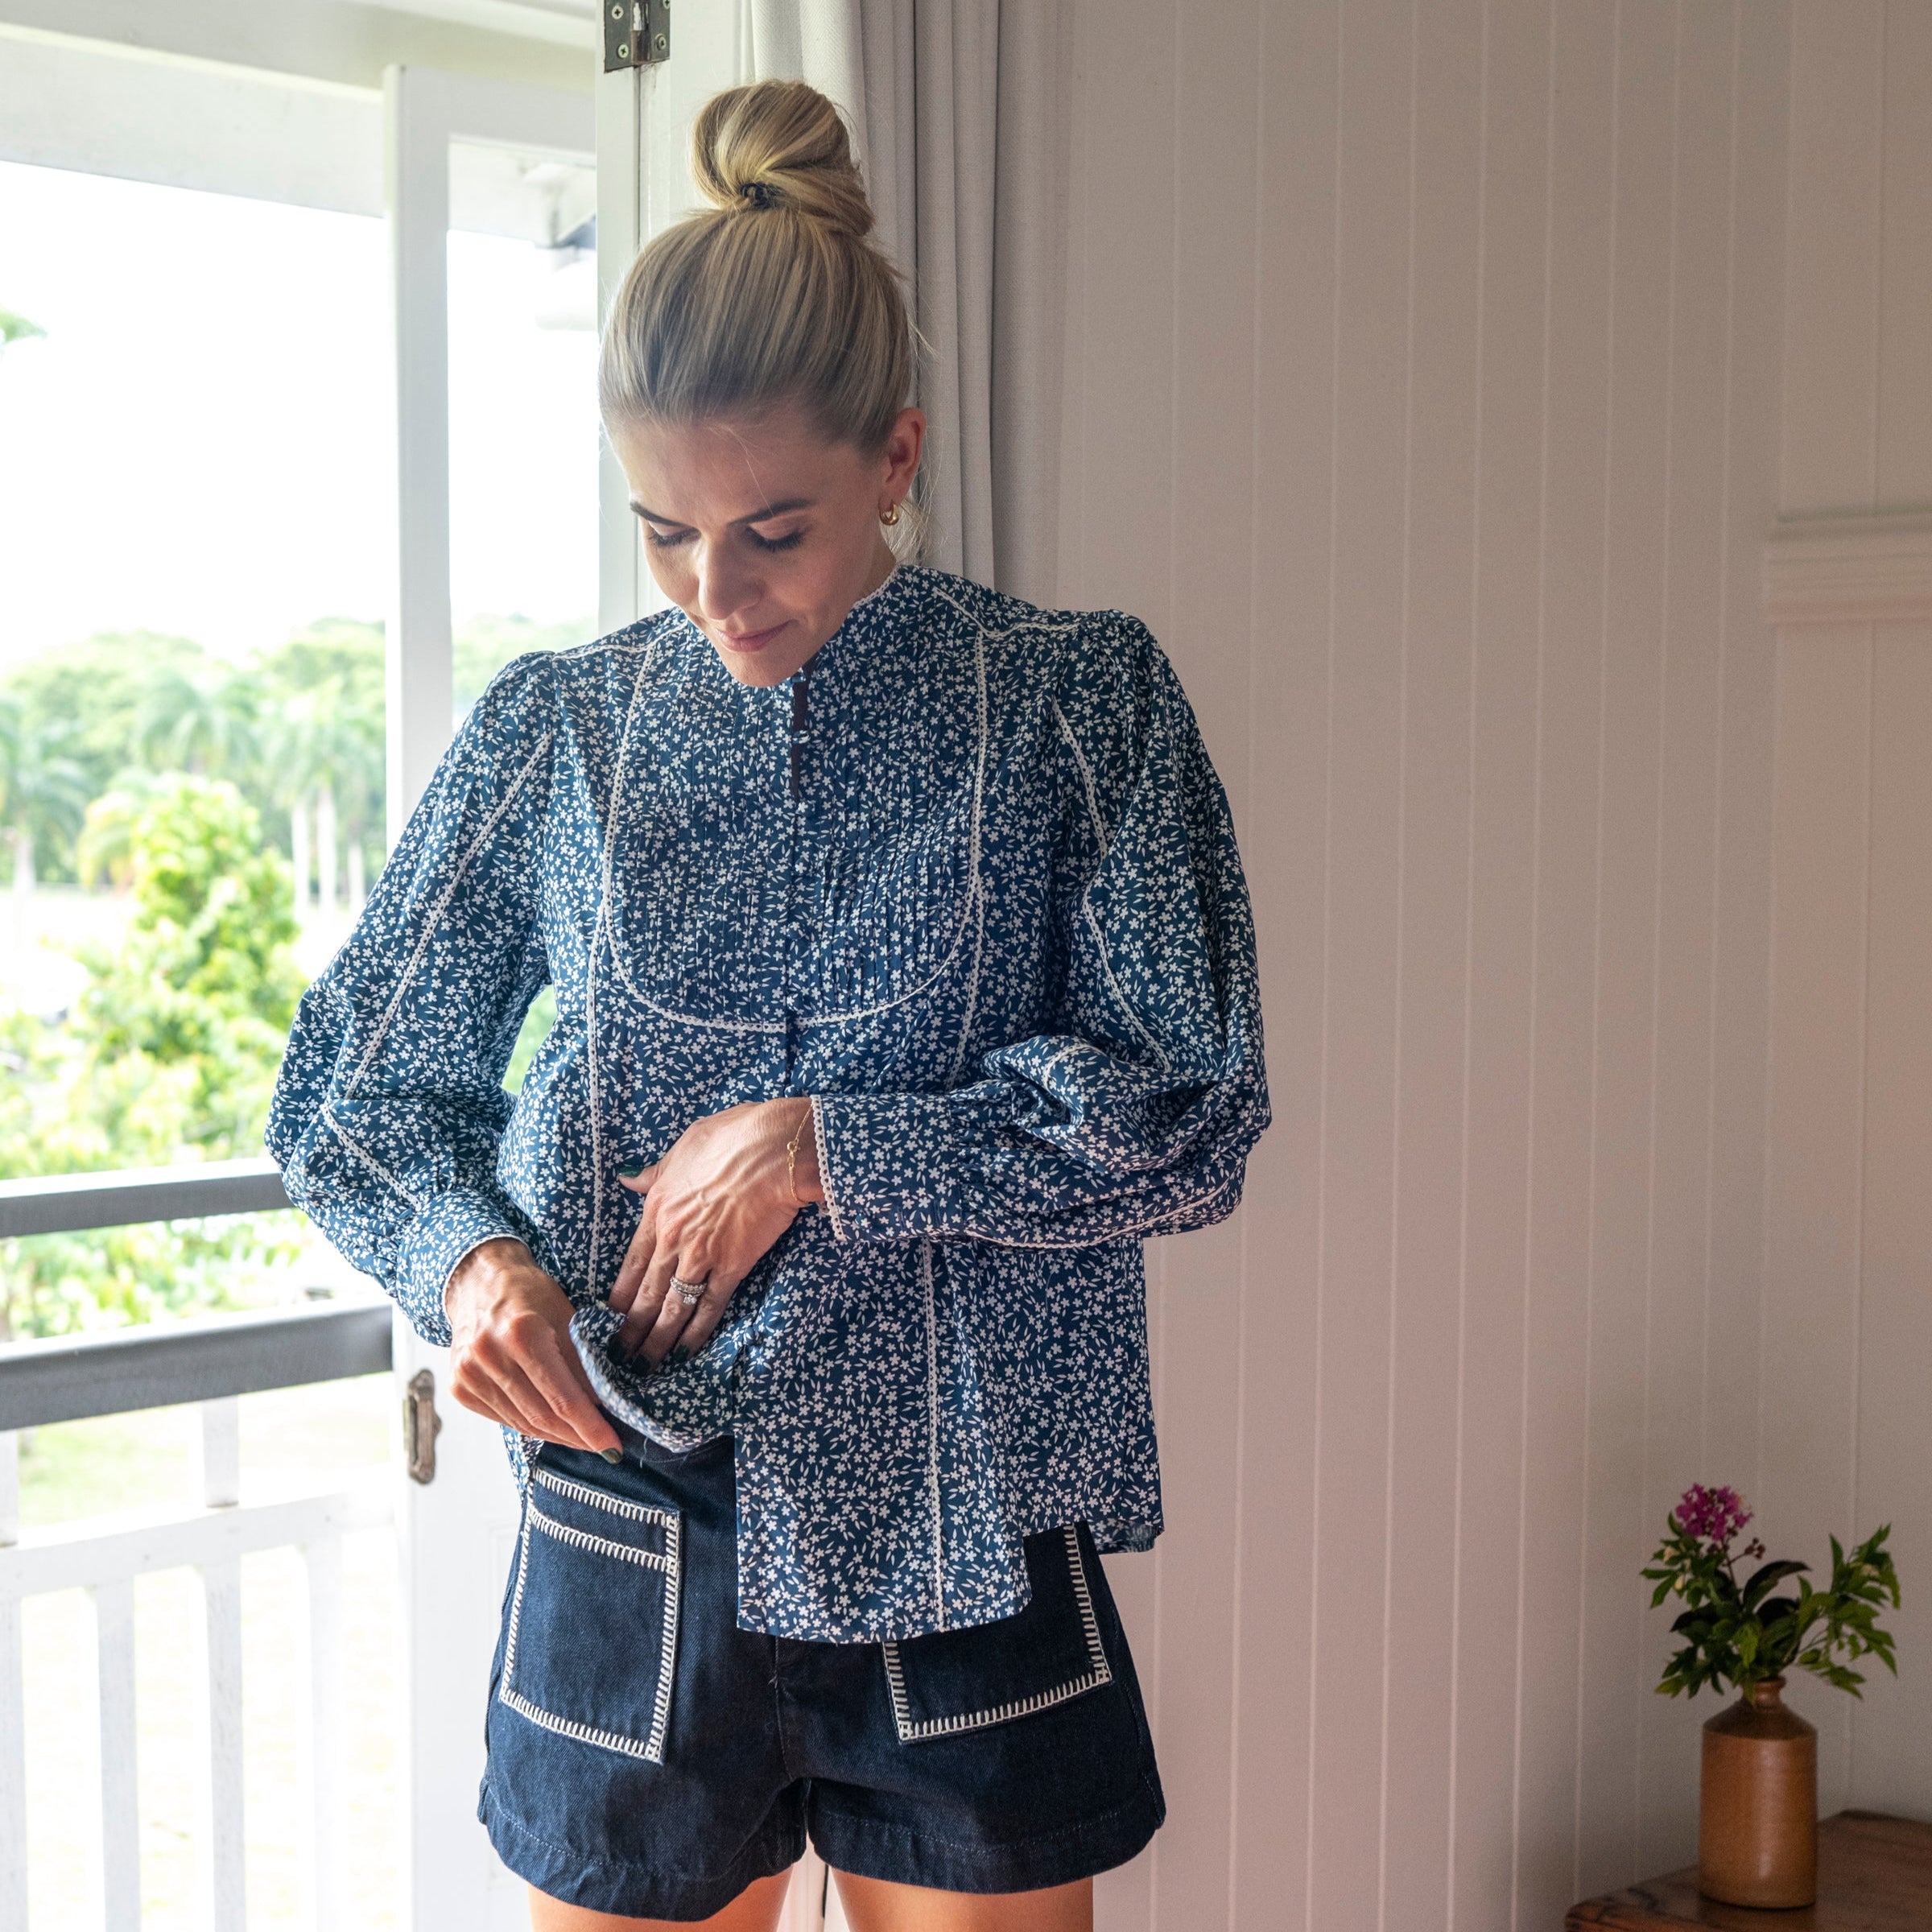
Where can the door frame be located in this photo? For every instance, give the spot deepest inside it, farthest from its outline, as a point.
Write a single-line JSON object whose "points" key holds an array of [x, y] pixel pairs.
{"points": [[455, 1534]]}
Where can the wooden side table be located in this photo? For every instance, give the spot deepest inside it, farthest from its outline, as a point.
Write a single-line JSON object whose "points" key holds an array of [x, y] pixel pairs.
{"points": [[1874, 1875]]}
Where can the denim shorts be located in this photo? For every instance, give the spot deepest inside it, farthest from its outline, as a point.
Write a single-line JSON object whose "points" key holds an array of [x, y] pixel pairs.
{"points": [[648, 1757]]}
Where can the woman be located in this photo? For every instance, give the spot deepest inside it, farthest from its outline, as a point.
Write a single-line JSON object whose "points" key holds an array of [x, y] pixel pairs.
{"points": [[905, 981]]}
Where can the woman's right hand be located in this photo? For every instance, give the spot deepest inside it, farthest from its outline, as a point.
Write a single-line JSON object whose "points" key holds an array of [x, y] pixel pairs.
{"points": [[511, 1357]]}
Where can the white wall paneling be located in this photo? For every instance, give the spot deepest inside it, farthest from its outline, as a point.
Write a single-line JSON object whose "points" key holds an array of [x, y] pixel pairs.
{"points": [[1429, 394], [1849, 570], [1847, 1357]]}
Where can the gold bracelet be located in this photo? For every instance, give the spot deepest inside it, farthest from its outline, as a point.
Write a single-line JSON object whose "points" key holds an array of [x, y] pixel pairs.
{"points": [[791, 1154]]}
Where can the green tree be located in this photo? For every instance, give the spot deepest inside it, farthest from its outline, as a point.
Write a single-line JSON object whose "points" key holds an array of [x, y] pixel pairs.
{"points": [[323, 697], [98, 691], [16, 327], [203, 720], [204, 978], [172, 1055], [485, 644], [43, 792]]}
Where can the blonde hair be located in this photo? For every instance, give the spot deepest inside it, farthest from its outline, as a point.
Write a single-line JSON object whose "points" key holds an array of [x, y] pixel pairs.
{"points": [[773, 294]]}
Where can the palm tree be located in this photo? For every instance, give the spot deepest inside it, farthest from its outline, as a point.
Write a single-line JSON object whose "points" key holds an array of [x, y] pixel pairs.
{"points": [[202, 721], [329, 757], [42, 792]]}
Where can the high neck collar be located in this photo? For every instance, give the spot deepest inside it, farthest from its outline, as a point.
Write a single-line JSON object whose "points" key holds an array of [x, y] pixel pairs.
{"points": [[866, 626]]}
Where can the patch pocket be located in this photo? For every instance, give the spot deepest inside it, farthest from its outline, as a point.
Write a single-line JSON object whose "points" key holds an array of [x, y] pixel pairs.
{"points": [[950, 1681], [592, 1647]]}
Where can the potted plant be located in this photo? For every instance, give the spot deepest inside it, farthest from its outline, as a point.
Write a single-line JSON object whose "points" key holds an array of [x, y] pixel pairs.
{"points": [[1757, 1821]]}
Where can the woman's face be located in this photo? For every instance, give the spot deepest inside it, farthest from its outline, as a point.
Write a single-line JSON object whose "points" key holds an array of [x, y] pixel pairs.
{"points": [[761, 532]]}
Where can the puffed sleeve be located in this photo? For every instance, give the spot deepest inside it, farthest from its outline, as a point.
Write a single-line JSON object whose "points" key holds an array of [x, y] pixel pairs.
{"points": [[389, 1108], [1134, 1115]]}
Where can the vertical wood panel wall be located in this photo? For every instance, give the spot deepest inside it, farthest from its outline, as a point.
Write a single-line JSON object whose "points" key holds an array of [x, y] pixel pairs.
{"points": [[1848, 1359], [1427, 393]]}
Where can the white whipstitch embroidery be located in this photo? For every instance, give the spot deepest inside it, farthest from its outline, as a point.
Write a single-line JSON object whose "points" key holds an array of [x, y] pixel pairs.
{"points": [[601, 1545], [1098, 1672], [618, 1505], [670, 1562]]}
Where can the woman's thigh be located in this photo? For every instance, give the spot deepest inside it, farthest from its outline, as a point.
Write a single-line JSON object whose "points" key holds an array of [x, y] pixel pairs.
{"points": [[873, 1905], [755, 1910]]}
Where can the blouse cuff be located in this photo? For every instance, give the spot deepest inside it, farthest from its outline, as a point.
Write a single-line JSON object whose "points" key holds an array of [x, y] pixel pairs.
{"points": [[885, 1162], [825, 1182], [451, 1227]]}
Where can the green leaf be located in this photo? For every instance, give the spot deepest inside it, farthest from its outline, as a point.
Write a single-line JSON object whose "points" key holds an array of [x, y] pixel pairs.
{"points": [[1762, 1580]]}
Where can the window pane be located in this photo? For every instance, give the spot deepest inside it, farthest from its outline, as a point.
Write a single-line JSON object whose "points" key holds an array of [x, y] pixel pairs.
{"points": [[195, 553], [195, 549], [523, 433], [523, 419]]}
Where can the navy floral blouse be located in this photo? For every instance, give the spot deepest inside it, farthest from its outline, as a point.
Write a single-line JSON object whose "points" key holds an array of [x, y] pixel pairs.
{"points": [[968, 879]]}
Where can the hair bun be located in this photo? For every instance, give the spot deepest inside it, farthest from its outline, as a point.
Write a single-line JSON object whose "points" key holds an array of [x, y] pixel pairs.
{"points": [[779, 144]]}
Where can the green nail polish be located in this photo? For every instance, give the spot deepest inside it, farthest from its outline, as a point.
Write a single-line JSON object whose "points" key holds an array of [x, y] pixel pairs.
{"points": [[679, 1354], [631, 1172], [612, 1456]]}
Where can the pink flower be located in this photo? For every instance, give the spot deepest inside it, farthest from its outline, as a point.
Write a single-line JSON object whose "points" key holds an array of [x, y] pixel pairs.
{"points": [[1713, 1515]]}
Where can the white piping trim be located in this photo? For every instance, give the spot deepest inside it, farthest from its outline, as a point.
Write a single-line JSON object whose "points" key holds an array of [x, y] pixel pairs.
{"points": [[827, 1187], [334, 1120], [651, 1749], [442, 905], [1100, 1672], [932, 1432], [1155, 1222], [599, 932], [1099, 946], [1081, 765], [1023, 624], [614, 640], [1093, 925], [972, 982], [979, 896], [971, 904]]}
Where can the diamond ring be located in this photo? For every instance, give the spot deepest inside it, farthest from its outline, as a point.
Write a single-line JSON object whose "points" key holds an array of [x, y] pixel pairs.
{"points": [[690, 1293]]}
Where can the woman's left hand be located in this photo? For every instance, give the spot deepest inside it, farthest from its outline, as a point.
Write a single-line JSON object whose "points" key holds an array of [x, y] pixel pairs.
{"points": [[712, 1208]]}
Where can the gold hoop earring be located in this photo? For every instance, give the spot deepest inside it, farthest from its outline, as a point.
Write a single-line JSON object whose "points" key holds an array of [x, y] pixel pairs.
{"points": [[890, 514]]}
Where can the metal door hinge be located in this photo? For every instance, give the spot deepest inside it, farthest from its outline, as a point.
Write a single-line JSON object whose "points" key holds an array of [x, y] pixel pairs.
{"points": [[421, 1426], [637, 33]]}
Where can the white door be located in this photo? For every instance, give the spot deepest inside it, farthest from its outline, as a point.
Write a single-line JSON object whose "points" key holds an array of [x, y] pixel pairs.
{"points": [[455, 1531], [458, 1532]]}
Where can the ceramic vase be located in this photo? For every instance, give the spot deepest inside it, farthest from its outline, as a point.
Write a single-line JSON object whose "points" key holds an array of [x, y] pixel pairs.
{"points": [[1757, 1824]]}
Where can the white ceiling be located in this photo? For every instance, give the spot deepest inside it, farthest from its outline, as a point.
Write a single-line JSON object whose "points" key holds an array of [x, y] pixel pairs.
{"points": [[261, 126]]}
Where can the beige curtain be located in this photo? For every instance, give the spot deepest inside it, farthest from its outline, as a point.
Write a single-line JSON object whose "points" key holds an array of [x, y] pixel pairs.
{"points": [[960, 109]]}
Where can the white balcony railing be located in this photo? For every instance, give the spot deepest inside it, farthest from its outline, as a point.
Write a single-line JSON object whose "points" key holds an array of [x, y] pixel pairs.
{"points": [[212, 1363]]}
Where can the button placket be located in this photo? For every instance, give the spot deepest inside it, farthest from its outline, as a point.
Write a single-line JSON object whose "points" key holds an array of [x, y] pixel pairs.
{"points": [[794, 832]]}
